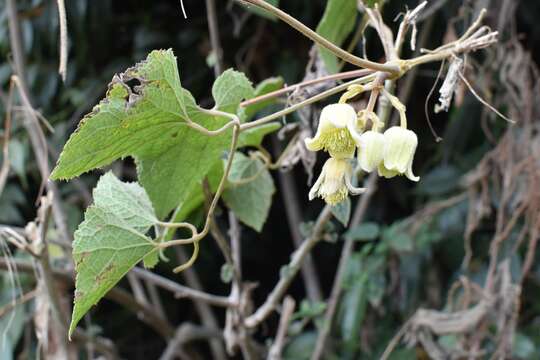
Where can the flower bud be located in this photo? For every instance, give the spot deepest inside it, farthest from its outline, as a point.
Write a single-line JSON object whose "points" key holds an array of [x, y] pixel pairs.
{"points": [[334, 183], [336, 132], [399, 148], [370, 150]]}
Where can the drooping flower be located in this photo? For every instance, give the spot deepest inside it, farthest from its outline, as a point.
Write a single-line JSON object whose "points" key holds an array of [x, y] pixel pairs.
{"points": [[337, 132], [334, 183], [399, 148], [370, 150]]}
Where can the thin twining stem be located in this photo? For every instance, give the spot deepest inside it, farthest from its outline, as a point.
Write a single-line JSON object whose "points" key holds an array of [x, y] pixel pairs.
{"points": [[234, 121], [311, 100], [191, 260], [391, 68], [339, 76], [173, 225], [198, 236]]}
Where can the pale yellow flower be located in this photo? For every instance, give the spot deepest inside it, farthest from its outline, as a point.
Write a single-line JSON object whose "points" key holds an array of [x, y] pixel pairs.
{"points": [[399, 148], [370, 150], [337, 132], [334, 183]]}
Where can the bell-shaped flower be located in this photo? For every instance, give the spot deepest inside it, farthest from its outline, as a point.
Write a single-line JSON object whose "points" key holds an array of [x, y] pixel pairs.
{"points": [[399, 148], [337, 132], [334, 183], [370, 150]]}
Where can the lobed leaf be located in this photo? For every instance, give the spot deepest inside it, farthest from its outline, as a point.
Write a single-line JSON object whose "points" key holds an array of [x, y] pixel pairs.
{"points": [[148, 122], [110, 241]]}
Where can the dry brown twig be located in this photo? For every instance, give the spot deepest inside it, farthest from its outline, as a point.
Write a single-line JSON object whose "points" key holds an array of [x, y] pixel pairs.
{"points": [[62, 66], [4, 170], [19, 301], [286, 312]]}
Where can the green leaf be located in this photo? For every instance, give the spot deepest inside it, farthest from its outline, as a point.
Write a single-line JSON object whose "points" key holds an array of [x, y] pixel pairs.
{"points": [[309, 309], [524, 347], [300, 347], [151, 260], [364, 232], [110, 241], [230, 88], [352, 311], [342, 211], [148, 122], [403, 354], [255, 136], [127, 201], [338, 21], [250, 201], [227, 273], [265, 87], [251, 137], [376, 287], [264, 13], [396, 237]]}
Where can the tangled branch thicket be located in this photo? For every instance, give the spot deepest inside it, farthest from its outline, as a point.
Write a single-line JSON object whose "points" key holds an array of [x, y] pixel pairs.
{"points": [[448, 270]]}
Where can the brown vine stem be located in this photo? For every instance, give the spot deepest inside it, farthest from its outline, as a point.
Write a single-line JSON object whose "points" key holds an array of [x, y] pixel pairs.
{"points": [[182, 291], [117, 295], [291, 202], [311, 100], [286, 313], [47, 277], [205, 312], [19, 301], [37, 138], [285, 90], [6, 164], [391, 68]]}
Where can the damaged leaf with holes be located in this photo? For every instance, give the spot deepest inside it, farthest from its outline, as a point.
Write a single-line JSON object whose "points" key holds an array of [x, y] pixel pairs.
{"points": [[149, 123]]}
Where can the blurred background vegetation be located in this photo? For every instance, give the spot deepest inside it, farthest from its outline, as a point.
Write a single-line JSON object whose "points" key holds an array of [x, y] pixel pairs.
{"points": [[410, 250]]}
